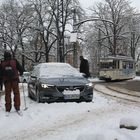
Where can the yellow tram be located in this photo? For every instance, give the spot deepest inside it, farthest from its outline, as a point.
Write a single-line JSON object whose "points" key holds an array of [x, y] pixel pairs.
{"points": [[116, 68]]}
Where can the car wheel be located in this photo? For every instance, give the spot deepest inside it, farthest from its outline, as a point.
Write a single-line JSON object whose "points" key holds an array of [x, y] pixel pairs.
{"points": [[88, 100], [29, 94], [51, 99], [79, 101], [37, 97]]}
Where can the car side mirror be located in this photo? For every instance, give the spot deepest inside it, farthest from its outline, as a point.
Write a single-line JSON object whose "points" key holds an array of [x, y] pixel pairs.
{"points": [[33, 77]]}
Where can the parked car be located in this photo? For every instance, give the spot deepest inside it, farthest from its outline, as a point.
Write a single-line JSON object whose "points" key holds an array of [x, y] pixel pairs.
{"points": [[25, 77], [50, 82]]}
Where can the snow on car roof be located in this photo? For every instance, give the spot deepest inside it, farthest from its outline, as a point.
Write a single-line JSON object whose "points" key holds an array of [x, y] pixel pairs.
{"points": [[52, 64], [57, 69]]}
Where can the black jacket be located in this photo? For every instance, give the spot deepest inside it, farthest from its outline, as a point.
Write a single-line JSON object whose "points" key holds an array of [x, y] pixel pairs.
{"points": [[84, 67]]}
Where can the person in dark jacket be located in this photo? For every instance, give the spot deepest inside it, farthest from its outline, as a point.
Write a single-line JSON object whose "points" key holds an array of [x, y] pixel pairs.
{"points": [[84, 66], [11, 82]]}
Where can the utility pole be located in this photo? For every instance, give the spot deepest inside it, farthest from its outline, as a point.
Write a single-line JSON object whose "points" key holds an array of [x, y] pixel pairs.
{"points": [[63, 29], [60, 30], [133, 44], [99, 49], [75, 54]]}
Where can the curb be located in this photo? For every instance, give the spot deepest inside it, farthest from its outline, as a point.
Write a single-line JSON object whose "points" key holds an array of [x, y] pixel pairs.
{"points": [[118, 93], [125, 91]]}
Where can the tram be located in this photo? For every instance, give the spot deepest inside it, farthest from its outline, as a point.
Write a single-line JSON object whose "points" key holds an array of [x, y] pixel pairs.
{"points": [[116, 68]]}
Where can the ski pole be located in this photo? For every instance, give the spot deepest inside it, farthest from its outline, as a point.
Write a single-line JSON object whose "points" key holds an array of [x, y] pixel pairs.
{"points": [[24, 97]]}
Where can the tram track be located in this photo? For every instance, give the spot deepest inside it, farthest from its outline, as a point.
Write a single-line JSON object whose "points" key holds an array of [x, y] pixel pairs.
{"points": [[117, 92]]}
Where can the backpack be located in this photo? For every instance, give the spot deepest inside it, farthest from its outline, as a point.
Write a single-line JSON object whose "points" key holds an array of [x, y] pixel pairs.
{"points": [[8, 71]]}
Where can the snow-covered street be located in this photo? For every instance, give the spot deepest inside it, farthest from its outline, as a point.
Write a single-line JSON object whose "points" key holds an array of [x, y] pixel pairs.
{"points": [[98, 120]]}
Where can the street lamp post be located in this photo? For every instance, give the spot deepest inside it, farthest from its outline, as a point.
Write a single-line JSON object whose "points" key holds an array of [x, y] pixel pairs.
{"points": [[74, 43], [99, 48], [61, 26]]}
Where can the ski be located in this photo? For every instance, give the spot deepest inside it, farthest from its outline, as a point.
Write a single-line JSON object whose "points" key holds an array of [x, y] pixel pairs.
{"points": [[19, 113]]}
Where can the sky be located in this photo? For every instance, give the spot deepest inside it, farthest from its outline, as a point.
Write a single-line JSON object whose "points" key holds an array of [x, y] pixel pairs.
{"points": [[97, 120], [88, 3]]}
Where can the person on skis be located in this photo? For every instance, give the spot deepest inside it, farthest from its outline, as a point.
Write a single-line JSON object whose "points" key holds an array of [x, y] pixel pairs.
{"points": [[11, 69]]}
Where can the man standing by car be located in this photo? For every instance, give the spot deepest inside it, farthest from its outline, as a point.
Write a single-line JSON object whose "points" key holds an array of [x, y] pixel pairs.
{"points": [[84, 66], [10, 74]]}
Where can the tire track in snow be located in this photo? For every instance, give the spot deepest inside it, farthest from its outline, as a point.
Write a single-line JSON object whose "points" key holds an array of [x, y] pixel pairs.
{"points": [[128, 97]]}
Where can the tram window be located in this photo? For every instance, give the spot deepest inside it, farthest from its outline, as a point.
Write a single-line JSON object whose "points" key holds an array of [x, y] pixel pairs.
{"points": [[131, 65], [116, 63], [108, 65], [127, 65], [124, 65]]}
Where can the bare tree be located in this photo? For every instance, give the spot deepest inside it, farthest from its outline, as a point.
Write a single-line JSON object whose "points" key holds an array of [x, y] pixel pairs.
{"points": [[14, 20], [36, 28], [119, 13], [112, 29], [63, 17]]}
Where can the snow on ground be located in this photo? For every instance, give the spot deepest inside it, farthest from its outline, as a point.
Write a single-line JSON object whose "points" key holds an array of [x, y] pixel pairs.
{"points": [[98, 120], [137, 78]]}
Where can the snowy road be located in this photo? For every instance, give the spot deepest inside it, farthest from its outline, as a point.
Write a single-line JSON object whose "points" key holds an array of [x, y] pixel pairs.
{"points": [[120, 93], [68, 121]]}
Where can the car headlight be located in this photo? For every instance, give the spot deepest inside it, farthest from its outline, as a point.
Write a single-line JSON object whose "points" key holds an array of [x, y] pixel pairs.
{"points": [[89, 84], [46, 85]]}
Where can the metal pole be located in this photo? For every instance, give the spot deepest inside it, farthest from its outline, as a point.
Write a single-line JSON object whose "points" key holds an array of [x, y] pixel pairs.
{"points": [[75, 43], [63, 29], [24, 97], [99, 49]]}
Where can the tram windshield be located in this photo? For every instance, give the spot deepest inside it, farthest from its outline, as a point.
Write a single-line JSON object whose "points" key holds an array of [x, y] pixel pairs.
{"points": [[108, 64]]}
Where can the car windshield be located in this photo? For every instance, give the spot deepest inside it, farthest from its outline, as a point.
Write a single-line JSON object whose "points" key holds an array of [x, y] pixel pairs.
{"points": [[58, 70]]}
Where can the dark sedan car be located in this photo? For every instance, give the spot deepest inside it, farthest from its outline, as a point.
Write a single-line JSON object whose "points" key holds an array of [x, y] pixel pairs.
{"points": [[50, 82]]}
